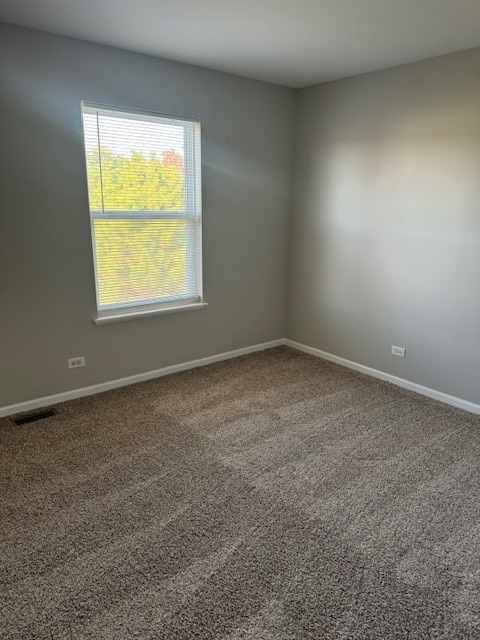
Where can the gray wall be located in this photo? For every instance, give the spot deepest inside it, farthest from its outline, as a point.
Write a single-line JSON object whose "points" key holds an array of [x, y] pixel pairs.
{"points": [[47, 298], [386, 222], [384, 238]]}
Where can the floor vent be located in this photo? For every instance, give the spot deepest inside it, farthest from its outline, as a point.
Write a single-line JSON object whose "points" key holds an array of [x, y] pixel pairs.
{"points": [[33, 417]]}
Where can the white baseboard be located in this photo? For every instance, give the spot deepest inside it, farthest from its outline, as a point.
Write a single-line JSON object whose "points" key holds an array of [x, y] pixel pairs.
{"points": [[139, 377], [226, 355], [400, 382]]}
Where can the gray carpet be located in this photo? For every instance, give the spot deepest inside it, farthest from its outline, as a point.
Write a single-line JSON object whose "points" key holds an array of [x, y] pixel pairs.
{"points": [[270, 497]]}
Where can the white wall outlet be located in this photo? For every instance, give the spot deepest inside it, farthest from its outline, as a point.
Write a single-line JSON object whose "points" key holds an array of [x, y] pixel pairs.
{"points": [[73, 363], [398, 351]]}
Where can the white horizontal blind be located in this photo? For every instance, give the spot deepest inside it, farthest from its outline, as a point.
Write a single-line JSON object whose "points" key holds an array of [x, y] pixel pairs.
{"points": [[145, 207]]}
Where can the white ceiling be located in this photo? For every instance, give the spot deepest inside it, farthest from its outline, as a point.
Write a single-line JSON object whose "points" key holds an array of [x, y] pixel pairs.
{"points": [[290, 42]]}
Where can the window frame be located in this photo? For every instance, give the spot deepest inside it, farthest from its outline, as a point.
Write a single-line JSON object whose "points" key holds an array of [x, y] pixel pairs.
{"points": [[191, 213]]}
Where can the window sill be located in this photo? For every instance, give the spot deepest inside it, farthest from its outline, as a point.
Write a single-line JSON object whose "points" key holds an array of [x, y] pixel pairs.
{"points": [[146, 313]]}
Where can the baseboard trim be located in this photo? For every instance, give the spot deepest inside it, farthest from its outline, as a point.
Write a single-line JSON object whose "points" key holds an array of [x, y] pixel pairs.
{"points": [[227, 355], [139, 377], [375, 373]]}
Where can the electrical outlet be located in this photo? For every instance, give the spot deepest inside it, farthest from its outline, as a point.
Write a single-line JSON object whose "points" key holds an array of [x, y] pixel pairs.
{"points": [[398, 351], [73, 363]]}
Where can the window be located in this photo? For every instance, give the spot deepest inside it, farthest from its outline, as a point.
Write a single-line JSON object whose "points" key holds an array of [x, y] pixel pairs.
{"points": [[144, 191]]}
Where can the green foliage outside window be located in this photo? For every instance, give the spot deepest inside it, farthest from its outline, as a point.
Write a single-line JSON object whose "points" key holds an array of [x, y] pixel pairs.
{"points": [[138, 259]]}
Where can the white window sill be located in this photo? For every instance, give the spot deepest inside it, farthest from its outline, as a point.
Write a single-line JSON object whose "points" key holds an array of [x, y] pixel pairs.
{"points": [[146, 313]]}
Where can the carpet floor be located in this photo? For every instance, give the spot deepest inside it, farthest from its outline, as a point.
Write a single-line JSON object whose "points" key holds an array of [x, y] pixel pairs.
{"points": [[271, 497]]}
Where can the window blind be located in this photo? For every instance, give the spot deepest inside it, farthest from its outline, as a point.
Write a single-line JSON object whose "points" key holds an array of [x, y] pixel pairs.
{"points": [[144, 190]]}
